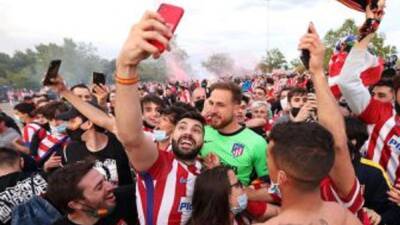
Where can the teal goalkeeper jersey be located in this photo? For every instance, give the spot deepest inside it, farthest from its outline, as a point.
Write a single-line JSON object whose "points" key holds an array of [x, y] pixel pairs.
{"points": [[244, 152]]}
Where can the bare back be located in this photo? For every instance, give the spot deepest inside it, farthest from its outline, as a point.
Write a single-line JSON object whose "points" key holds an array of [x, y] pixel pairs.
{"points": [[330, 214]]}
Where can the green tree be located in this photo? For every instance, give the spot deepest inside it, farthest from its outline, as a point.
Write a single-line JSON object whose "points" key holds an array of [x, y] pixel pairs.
{"points": [[220, 64], [274, 60]]}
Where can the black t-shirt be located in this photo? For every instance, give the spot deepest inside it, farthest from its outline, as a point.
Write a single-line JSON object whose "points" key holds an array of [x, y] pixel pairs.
{"points": [[125, 212], [112, 157], [16, 188]]}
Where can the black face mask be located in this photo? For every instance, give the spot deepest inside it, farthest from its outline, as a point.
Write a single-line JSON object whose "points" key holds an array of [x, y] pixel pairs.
{"points": [[75, 135], [295, 111], [199, 104]]}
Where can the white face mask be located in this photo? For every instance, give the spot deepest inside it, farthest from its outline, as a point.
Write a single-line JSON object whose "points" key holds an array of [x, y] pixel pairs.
{"points": [[160, 135], [284, 104]]}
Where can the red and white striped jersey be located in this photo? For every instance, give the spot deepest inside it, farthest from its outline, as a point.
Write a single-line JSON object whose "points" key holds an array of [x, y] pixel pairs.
{"points": [[48, 142], [164, 192], [383, 145], [354, 201], [28, 132]]}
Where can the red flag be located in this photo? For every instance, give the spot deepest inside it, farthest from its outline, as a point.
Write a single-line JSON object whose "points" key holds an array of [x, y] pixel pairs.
{"points": [[369, 77], [359, 5]]}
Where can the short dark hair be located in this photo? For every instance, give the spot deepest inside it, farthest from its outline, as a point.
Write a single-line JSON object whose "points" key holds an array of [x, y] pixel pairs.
{"points": [[284, 89], [211, 198], [396, 82], [8, 157], [174, 112], [229, 86], [63, 184], [26, 108], [384, 83], [355, 130], [305, 151], [296, 92], [81, 85], [245, 99], [3, 118], [151, 98], [194, 115], [51, 110]]}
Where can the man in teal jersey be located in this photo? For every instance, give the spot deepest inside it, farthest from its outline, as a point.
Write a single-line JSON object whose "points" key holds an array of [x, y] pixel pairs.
{"points": [[236, 146]]}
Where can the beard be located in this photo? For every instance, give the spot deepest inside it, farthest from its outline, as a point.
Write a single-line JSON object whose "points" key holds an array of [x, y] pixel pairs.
{"points": [[185, 154], [223, 122]]}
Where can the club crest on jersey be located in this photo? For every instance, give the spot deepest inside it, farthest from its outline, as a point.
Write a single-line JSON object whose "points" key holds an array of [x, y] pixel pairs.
{"points": [[394, 142], [185, 205], [237, 150]]}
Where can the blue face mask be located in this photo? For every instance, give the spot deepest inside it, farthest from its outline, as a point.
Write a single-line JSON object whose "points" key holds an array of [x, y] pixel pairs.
{"points": [[242, 204], [60, 129], [159, 135]]}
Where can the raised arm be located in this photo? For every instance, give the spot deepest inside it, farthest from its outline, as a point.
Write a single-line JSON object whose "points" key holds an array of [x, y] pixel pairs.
{"points": [[342, 172], [358, 60], [141, 149], [97, 116]]}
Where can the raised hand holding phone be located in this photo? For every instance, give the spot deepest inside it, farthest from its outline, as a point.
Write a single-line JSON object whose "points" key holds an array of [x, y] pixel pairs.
{"points": [[137, 47], [305, 56], [312, 42], [172, 16], [52, 72]]}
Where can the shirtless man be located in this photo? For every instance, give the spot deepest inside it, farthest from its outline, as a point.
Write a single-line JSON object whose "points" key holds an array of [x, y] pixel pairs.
{"points": [[302, 156]]}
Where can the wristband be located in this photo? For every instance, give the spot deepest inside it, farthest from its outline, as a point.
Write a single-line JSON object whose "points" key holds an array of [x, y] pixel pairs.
{"points": [[127, 81]]}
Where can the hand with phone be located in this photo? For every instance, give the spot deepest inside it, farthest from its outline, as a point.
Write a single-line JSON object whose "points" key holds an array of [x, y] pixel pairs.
{"points": [[305, 56], [138, 45], [172, 16], [101, 92], [52, 72], [312, 42], [58, 85], [307, 112]]}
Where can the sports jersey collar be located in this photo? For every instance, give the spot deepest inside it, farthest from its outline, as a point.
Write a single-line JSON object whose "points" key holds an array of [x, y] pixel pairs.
{"points": [[232, 134]]}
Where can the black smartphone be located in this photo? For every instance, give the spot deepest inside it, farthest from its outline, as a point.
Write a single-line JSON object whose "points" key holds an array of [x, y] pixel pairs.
{"points": [[305, 56], [52, 72], [99, 78]]}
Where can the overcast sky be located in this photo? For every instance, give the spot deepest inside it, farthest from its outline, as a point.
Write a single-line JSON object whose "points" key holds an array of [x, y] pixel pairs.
{"points": [[242, 28]]}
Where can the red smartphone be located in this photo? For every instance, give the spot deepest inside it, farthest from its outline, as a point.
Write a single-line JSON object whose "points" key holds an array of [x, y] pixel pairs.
{"points": [[172, 15], [52, 72]]}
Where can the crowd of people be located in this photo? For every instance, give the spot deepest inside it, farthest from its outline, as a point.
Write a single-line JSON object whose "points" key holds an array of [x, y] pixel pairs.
{"points": [[267, 149]]}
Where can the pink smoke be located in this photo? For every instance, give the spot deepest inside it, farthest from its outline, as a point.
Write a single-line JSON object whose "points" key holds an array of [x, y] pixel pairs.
{"points": [[174, 70]]}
